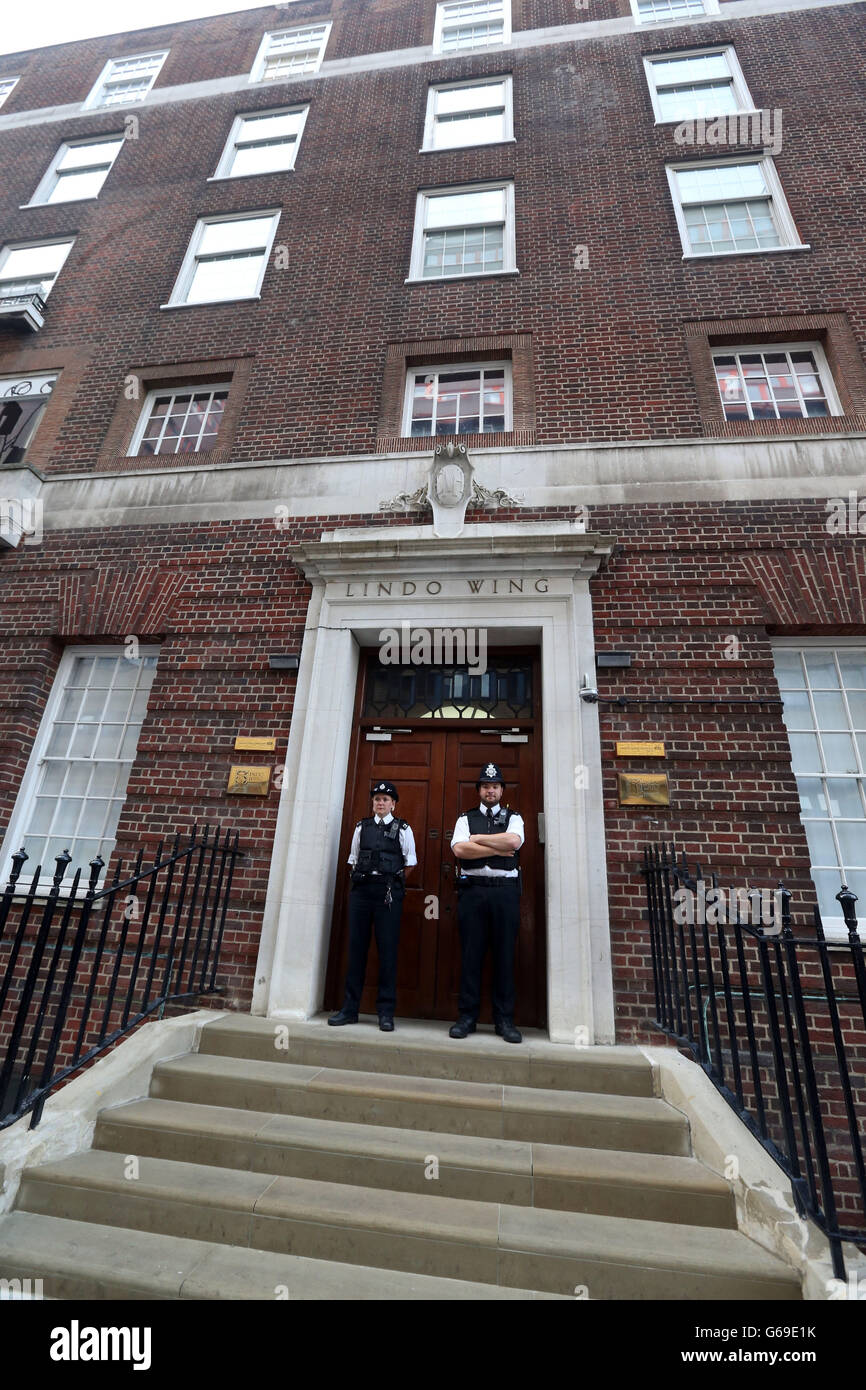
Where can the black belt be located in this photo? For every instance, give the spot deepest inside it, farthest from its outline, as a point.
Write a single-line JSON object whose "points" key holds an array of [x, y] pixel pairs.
{"points": [[488, 880]]}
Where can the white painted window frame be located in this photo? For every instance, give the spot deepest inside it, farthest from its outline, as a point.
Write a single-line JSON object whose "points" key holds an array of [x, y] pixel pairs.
{"points": [[175, 389], [38, 381], [428, 146], [9, 246], [457, 366], [745, 104], [184, 279], [779, 204], [258, 67], [440, 27], [7, 87], [509, 262], [710, 7], [93, 102], [51, 177], [834, 927], [30, 780], [223, 169], [821, 362]]}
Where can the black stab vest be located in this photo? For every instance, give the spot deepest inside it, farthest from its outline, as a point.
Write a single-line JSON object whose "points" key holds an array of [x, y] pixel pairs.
{"points": [[380, 850], [479, 824]]}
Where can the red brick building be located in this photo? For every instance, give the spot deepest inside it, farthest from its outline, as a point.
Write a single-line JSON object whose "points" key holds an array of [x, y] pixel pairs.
{"points": [[253, 268]]}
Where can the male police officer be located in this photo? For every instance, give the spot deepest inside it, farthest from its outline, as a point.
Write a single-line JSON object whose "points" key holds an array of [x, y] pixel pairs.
{"points": [[382, 847], [487, 842]]}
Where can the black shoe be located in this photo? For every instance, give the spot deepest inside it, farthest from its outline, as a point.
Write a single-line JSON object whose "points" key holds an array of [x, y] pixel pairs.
{"points": [[462, 1028], [506, 1030], [386, 1025], [344, 1016]]}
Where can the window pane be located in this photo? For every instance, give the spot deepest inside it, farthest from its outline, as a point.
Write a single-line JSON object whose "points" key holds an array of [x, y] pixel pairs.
{"points": [[263, 159], [35, 260], [721, 181], [98, 152], [463, 209], [237, 235], [476, 98], [280, 126], [822, 669], [229, 277], [683, 103], [698, 68], [72, 186], [469, 130]]}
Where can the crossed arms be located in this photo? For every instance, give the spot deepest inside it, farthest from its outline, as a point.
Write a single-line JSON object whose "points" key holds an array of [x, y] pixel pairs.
{"points": [[480, 846]]}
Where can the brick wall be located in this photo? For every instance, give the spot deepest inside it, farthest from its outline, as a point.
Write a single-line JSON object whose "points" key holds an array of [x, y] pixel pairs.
{"points": [[614, 352]]}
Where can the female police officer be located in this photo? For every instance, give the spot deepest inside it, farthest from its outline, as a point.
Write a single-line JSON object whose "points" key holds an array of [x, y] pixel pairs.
{"points": [[382, 848]]}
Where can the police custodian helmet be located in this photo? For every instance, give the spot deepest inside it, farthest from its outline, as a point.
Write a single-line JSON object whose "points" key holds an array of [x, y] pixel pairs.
{"points": [[386, 789], [490, 773]]}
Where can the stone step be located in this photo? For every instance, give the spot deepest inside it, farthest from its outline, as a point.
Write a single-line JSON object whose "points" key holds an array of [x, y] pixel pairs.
{"points": [[647, 1186], [83, 1260], [424, 1049], [484, 1242], [535, 1114]]}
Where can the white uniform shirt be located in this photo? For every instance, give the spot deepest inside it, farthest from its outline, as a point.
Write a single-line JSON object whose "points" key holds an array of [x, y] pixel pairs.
{"points": [[472, 866], [407, 842]]}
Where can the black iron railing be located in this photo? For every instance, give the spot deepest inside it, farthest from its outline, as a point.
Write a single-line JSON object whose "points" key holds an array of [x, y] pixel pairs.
{"points": [[80, 966], [777, 1020]]}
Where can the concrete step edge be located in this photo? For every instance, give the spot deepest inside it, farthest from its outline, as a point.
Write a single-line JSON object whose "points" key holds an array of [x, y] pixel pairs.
{"points": [[82, 1257], [624, 1241]]}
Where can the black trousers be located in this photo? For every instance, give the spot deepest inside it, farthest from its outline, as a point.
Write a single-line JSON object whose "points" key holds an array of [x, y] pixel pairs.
{"points": [[488, 916], [367, 911]]}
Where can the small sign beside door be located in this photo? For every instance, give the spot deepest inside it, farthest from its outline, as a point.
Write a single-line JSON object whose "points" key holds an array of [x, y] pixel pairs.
{"points": [[643, 789], [633, 748]]}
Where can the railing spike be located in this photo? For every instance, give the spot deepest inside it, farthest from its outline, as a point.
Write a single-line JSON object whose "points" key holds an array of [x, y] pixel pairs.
{"points": [[18, 862], [847, 899]]}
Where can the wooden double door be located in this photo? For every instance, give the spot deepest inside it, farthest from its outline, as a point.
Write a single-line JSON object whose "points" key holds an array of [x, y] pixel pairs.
{"points": [[435, 770]]}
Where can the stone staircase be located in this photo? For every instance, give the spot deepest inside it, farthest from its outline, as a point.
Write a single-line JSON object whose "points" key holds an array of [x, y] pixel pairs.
{"points": [[356, 1165]]}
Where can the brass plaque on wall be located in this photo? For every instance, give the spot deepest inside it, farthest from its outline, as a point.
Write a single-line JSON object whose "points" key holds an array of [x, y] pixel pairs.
{"points": [[249, 781], [255, 745], [643, 789], [632, 748]]}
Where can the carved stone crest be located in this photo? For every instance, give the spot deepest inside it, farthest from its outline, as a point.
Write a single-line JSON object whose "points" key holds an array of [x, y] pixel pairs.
{"points": [[449, 490]]}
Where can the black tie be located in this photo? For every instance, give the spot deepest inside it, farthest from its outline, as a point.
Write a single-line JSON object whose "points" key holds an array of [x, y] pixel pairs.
{"points": [[490, 815]]}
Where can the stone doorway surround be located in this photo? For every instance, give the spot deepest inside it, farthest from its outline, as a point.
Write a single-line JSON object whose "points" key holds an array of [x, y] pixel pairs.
{"points": [[525, 583]]}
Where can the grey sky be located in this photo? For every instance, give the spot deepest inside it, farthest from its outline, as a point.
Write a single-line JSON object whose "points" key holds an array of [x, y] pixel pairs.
{"points": [[58, 21]]}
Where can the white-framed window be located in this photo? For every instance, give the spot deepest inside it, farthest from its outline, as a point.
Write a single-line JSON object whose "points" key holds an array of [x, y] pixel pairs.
{"points": [[663, 11], [463, 24], [703, 82], [775, 381], [74, 786], [290, 52], [22, 404], [823, 688], [262, 142], [226, 258], [477, 112], [729, 208], [180, 419], [473, 398], [7, 86], [32, 267], [125, 80], [464, 231], [78, 170]]}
